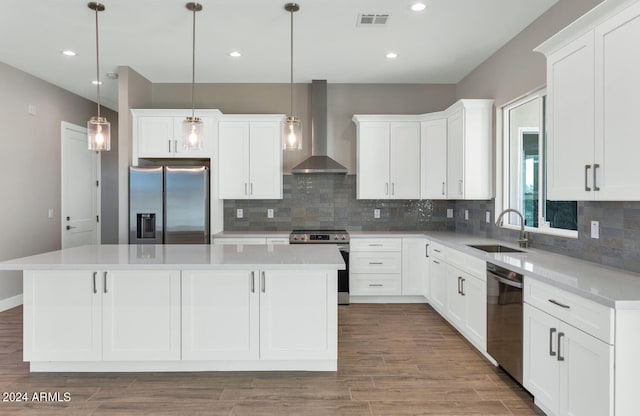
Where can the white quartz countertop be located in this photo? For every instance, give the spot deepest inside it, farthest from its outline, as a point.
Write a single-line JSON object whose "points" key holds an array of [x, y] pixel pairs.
{"points": [[183, 256]]}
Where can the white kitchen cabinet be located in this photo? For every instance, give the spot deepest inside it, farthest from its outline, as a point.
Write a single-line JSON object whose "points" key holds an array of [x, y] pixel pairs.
{"points": [[250, 157], [157, 133], [467, 305], [568, 371], [388, 157], [296, 317], [141, 315], [455, 297], [62, 316], [375, 267], [469, 161], [438, 283], [592, 77], [220, 315], [433, 167], [414, 253]]}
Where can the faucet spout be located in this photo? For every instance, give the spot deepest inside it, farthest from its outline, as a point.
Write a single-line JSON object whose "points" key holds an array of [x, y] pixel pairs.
{"points": [[523, 240]]}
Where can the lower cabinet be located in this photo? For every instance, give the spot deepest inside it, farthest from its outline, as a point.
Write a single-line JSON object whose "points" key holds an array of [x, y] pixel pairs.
{"points": [[568, 371], [99, 316], [466, 307], [253, 314], [438, 285], [413, 266]]}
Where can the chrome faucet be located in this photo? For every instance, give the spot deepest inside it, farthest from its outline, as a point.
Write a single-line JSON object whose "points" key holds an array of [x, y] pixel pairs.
{"points": [[523, 240]]}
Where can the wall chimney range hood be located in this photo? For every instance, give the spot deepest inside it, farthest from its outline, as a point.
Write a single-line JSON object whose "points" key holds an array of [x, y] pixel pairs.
{"points": [[319, 162]]}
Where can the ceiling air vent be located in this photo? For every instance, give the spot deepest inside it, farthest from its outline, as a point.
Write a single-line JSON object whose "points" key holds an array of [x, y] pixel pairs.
{"points": [[373, 19]]}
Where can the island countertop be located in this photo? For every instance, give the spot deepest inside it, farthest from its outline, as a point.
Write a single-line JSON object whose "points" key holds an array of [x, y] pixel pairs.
{"points": [[182, 256]]}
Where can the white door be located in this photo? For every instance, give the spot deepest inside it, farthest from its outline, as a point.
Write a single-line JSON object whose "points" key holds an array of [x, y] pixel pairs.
{"points": [[404, 160], [570, 118], [455, 155], [475, 324], [233, 159], [438, 282], [616, 106], [373, 161], [80, 189], [434, 159], [141, 315], [413, 266], [540, 366], [265, 158], [156, 136], [220, 315], [298, 314], [62, 316]]}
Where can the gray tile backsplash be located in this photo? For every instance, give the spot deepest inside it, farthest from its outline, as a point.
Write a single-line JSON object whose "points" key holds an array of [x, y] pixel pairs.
{"points": [[618, 245], [329, 201]]}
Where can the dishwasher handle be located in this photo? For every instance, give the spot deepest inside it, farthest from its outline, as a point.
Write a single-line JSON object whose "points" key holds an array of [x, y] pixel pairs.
{"points": [[503, 280]]}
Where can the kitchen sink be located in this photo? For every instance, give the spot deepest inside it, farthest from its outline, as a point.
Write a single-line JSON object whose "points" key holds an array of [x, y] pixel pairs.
{"points": [[495, 248]]}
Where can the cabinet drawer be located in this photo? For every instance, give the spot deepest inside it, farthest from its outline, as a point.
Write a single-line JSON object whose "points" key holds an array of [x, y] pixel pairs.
{"points": [[241, 240], [584, 314], [374, 284], [376, 244], [363, 262], [468, 263], [277, 240], [438, 251]]}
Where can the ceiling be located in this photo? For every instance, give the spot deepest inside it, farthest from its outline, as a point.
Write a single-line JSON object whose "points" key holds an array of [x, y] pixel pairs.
{"points": [[441, 44]]}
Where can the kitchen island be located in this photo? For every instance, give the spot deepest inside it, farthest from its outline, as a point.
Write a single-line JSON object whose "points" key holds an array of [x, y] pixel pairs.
{"points": [[181, 308]]}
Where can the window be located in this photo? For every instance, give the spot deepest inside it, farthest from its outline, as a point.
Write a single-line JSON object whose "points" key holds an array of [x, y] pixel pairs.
{"points": [[524, 171]]}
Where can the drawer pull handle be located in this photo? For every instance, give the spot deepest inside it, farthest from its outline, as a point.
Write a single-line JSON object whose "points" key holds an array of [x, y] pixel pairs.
{"points": [[376, 262], [436, 250], [436, 262], [375, 245], [375, 285], [551, 351], [560, 335], [555, 302]]}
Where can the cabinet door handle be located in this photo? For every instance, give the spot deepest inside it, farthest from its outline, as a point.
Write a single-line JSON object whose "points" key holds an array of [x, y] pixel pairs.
{"points": [[264, 284], [560, 335], [375, 285], [386, 188], [586, 178], [375, 262], [426, 250], [253, 282], [551, 351], [462, 280], [459, 290], [251, 188], [95, 288], [595, 171], [104, 278], [393, 188], [460, 186], [555, 302], [245, 188], [169, 145], [175, 146], [443, 188]]}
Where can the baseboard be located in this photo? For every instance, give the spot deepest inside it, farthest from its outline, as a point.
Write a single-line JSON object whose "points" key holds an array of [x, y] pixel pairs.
{"points": [[10, 303], [388, 299]]}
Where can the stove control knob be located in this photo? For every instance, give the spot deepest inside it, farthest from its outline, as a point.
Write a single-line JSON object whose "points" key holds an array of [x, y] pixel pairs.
{"points": [[295, 238], [344, 238]]}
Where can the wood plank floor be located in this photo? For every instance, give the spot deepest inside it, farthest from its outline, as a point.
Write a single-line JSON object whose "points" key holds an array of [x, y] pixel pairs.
{"points": [[393, 360]]}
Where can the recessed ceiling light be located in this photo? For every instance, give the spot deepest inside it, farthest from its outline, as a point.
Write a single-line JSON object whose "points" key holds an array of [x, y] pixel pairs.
{"points": [[391, 55], [96, 82], [68, 52], [418, 7], [235, 54]]}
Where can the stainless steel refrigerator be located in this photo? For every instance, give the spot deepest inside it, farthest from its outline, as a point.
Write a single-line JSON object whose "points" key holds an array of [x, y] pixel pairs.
{"points": [[169, 205]]}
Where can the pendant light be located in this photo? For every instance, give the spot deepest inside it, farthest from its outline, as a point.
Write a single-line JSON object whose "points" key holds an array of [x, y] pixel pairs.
{"points": [[98, 128], [192, 126], [293, 126]]}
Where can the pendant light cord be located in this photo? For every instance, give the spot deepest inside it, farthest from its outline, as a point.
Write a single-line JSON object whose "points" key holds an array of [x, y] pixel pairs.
{"points": [[291, 79], [97, 61], [193, 64]]}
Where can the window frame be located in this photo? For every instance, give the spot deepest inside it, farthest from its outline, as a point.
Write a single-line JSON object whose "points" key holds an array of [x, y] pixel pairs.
{"points": [[502, 179]]}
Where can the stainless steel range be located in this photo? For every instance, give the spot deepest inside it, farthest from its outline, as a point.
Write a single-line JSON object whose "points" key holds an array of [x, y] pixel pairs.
{"points": [[338, 237]]}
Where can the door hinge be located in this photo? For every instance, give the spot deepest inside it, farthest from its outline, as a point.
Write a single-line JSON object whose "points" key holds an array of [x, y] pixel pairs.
{"points": [[97, 218]]}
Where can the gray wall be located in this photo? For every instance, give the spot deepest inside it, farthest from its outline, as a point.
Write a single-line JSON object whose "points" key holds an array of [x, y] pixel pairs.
{"points": [[30, 166], [344, 100]]}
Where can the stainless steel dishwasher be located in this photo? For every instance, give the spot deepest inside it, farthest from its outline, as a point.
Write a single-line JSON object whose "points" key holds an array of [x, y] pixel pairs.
{"points": [[504, 318]]}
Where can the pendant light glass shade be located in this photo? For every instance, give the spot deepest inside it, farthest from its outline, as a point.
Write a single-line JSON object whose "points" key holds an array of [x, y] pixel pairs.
{"points": [[292, 125], [98, 128], [192, 126]]}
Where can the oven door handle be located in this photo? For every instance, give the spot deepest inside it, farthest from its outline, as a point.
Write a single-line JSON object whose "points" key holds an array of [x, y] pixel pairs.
{"points": [[503, 280]]}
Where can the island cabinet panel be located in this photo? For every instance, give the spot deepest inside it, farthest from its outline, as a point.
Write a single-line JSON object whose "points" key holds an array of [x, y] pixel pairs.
{"points": [[62, 316], [220, 315], [298, 317], [141, 315]]}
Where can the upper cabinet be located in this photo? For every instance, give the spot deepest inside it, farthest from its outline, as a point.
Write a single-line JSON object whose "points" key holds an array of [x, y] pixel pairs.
{"points": [[250, 157], [388, 154], [469, 160], [157, 133], [433, 147], [592, 78]]}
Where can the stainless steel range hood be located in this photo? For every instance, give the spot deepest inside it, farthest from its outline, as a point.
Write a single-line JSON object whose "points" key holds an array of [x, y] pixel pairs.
{"points": [[319, 162]]}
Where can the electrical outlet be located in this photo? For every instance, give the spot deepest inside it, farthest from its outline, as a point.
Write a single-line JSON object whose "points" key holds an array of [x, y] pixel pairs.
{"points": [[595, 229], [376, 213], [487, 216], [270, 213], [239, 213], [466, 215], [449, 212]]}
